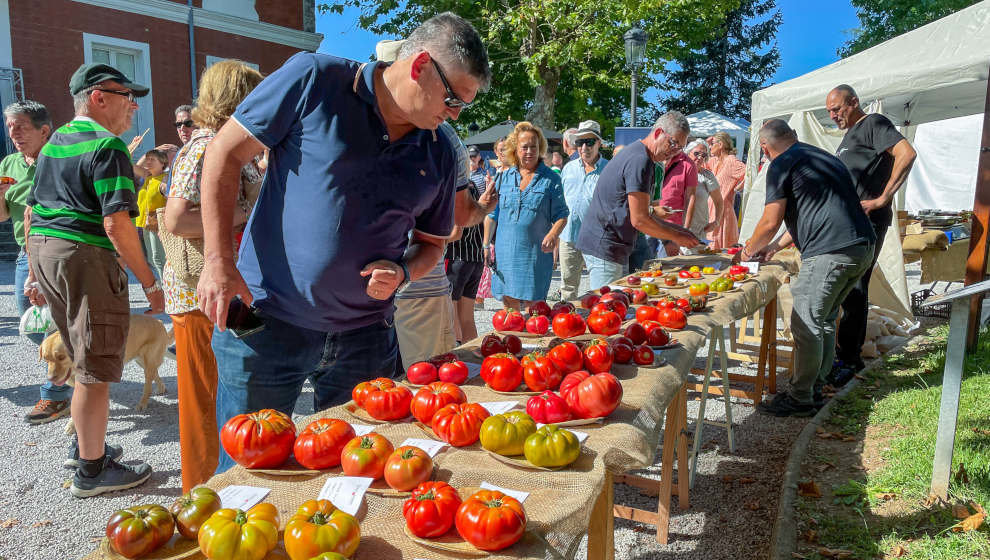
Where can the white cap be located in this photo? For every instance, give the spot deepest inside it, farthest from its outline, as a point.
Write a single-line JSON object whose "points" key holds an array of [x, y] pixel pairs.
{"points": [[388, 50], [589, 128]]}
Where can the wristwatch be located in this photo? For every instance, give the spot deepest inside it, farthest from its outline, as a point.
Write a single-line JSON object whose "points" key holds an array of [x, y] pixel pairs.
{"points": [[405, 273], [156, 287]]}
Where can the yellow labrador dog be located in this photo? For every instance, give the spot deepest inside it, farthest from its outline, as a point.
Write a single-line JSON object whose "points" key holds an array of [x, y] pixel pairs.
{"points": [[147, 340]]}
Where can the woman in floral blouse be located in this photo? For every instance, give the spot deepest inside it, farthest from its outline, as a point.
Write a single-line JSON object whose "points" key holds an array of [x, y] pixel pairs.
{"points": [[221, 88]]}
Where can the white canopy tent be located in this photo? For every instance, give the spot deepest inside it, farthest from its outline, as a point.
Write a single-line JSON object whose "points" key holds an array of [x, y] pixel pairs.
{"points": [[706, 123], [936, 72]]}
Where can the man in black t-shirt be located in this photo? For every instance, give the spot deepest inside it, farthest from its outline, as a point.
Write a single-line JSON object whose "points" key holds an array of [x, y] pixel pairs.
{"points": [[810, 191], [878, 158]]}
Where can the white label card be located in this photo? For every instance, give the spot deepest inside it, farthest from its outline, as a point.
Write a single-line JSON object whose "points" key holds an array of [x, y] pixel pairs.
{"points": [[494, 408], [474, 370], [517, 494], [430, 446], [362, 429], [753, 266], [346, 492], [242, 497]]}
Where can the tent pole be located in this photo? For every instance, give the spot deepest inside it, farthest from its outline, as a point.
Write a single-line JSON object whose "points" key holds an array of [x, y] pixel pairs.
{"points": [[976, 263]]}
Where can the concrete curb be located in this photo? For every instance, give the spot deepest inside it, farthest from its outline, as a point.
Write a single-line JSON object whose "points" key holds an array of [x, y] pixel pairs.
{"points": [[785, 526]]}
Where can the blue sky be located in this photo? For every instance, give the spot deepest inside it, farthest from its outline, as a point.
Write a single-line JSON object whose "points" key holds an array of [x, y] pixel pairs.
{"points": [[807, 39]]}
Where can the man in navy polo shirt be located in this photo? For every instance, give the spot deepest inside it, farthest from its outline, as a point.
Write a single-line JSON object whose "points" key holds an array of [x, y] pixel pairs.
{"points": [[355, 164]]}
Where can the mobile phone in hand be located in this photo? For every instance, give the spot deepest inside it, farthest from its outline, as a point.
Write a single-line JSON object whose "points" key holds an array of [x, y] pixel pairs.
{"points": [[242, 319]]}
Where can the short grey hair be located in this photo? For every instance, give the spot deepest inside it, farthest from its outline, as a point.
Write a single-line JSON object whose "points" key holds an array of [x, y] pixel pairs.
{"points": [[183, 109], [700, 142], [451, 39], [80, 100], [673, 122], [33, 110], [776, 131], [569, 135]]}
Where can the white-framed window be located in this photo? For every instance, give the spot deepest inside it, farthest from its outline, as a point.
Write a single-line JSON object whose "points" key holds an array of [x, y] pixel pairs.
{"points": [[211, 60], [133, 59]]}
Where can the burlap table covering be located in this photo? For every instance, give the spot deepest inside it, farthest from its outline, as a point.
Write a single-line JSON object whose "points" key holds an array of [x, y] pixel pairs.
{"points": [[560, 503]]}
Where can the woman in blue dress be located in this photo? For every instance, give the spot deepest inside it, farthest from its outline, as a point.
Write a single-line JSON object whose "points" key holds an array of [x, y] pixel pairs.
{"points": [[530, 214]]}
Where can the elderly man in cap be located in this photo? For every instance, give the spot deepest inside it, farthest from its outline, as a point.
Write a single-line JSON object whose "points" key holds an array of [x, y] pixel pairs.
{"points": [[82, 203], [579, 178]]}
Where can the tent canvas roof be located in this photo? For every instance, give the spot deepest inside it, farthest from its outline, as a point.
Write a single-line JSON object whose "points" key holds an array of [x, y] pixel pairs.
{"points": [[706, 123], [486, 138]]}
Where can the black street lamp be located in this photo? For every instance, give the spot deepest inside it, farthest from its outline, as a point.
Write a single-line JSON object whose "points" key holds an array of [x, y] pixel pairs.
{"points": [[635, 40]]}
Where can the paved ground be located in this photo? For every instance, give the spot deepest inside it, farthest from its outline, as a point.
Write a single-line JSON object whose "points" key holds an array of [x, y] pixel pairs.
{"points": [[732, 505]]}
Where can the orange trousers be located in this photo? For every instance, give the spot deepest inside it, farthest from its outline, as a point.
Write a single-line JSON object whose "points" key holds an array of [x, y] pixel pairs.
{"points": [[199, 441]]}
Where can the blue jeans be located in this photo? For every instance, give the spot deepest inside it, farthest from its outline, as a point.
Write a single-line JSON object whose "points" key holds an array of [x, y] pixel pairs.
{"points": [[49, 390], [601, 272], [267, 369]]}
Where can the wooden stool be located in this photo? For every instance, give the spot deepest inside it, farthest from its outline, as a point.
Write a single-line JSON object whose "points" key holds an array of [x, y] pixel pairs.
{"points": [[716, 339]]}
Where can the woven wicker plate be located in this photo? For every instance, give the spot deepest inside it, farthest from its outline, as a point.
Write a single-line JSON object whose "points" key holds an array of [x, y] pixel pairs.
{"points": [[449, 542], [176, 548], [521, 463], [361, 414]]}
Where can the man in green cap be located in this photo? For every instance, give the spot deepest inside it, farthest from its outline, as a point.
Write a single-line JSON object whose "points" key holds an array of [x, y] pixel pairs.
{"points": [[81, 205]]}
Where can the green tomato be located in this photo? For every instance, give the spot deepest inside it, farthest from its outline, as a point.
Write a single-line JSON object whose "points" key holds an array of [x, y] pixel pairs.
{"points": [[552, 446], [506, 434]]}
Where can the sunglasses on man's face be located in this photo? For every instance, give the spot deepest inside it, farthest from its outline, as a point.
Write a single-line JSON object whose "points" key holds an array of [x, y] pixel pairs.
{"points": [[580, 142], [186, 123], [451, 100]]}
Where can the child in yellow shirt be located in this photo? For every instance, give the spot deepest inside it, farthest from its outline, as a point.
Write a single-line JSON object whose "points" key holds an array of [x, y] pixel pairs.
{"points": [[150, 199]]}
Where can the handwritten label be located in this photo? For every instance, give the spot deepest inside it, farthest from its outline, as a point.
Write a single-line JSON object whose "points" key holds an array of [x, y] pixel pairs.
{"points": [[494, 408], [430, 446], [242, 497], [362, 429], [753, 266], [517, 494], [346, 492]]}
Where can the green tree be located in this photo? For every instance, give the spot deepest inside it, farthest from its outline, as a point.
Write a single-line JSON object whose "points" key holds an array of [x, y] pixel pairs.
{"points": [[880, 20], [556, 62], [722, 75]]}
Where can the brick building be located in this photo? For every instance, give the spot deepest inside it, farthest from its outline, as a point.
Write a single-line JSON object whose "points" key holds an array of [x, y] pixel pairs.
{"points": [[43, 41]]}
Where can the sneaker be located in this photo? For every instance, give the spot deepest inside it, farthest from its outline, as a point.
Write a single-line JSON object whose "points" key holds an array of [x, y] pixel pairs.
{"points": [[785, 405], [114, 476], [47, 411], [115, 452]]}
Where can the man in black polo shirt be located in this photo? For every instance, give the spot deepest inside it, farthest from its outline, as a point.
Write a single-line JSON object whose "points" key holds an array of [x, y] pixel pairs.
{"points": [[879, 159], [810, 191]]}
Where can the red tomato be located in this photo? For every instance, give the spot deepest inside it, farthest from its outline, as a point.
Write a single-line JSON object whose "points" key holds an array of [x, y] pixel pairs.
{"points": [[666, 303], [589, 300], [430, 511], [597, 356], [365, 388], [498, 319], [684, 305], [566, 356], [591, 396], [490, 520], [548, 408], [684, 274], [441, 359], [407, 467], [455, 372], [738, 269], [390, 403], [561, 307], [538, 324], [139, 530], [643, 355], [622, 353], [635, 332], [421, 373], [538, 308], [672, 319], [491, 344], [512, 344], [606, 323], [604, 290], [459, 424], [260, 440], [502, 372], [621, 339], [646, 313], [633, 280], [366, 456], [616, 305], [617, 296], [514, 321], [432, 398], [566, 325], [699, 289], [320, 443], [657, 336], [639, 296], [540, 373]]}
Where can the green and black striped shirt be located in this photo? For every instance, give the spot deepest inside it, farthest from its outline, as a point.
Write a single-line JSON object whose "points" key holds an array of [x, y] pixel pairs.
{"points": [[84, 173]]}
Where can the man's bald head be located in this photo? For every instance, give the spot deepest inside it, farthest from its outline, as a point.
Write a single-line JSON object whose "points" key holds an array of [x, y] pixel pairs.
{"points": [[776, 136]]}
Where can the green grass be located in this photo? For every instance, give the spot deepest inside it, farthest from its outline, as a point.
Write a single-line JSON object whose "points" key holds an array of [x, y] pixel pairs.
{"points": [[900, 400]]}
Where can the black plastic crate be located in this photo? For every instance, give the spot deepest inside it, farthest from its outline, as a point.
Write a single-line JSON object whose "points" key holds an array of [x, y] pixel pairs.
{"points": [[938, 310]]}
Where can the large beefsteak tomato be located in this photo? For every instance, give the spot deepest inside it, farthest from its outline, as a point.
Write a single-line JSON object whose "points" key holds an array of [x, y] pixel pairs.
{"points": [[430, 511], [319, 527], [591, 396], [319, 445], [365, 388], [506, 433], [539, 372], [388, 403], [232, 534], [502, 372], [366, 455], [552, 446], [598, 356], [566, 325], [406, 467], [459, 424], [605, 323], [567, 357], [491, 520], [672, 318], [432, 398], [259, 440], [138, 530]]}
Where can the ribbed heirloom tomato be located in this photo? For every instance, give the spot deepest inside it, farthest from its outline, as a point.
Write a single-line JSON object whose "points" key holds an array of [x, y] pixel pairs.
{"points": [[365, 388], [138, 530], [506, 433], [604, 322], [430, 511], [406, 467], [319, 527], [646, 313], [320, 443], [591, 396], [539, 372], [259, 440], [193, 509], [502, 372], [672, 319], [388, 403], [491, 520], [432, 398], [232, 534], [538, 324], [552, 446], [459, 424], [598, 356], [548, 408], [567, 357], [366, 455], [566, 325]]}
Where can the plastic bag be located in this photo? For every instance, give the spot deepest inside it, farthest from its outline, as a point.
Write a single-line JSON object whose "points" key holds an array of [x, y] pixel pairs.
{"points": [[37, 320]]}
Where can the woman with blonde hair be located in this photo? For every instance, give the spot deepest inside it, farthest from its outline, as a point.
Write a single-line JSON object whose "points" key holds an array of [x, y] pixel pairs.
{"points": [[221, 89], [530, 215], [731, 174]]}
